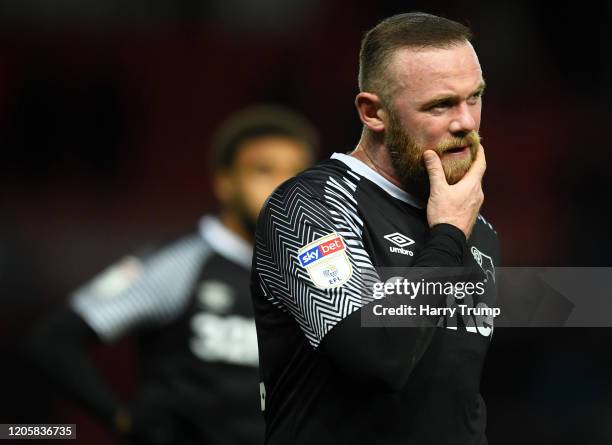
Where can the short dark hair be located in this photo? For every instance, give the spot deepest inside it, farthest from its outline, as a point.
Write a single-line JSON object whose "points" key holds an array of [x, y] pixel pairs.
{"points": [[409, 30], [260, 121]]}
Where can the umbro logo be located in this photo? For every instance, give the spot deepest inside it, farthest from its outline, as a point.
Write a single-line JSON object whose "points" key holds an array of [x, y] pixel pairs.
{"points": [[400, 241]]}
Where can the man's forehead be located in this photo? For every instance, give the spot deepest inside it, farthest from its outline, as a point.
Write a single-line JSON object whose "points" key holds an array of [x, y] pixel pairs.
{"points": [[428, 70]]}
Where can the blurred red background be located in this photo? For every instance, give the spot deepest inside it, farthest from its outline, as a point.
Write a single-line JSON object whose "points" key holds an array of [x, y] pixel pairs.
{"points": [[107, 109]]}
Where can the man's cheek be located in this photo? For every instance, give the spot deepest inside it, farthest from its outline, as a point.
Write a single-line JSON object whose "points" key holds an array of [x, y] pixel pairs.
{"points": [[255, 193]]}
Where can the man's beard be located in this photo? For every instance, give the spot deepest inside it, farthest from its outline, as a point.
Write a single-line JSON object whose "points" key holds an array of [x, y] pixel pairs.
{"points": [[407, 157], [245, 218]]}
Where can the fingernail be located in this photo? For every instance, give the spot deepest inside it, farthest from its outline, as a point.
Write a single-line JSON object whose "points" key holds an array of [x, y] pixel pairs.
{"points": [[429, 156]]}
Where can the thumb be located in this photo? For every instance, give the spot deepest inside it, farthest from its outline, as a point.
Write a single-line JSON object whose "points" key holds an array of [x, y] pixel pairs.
{"points": [[434, 168]]}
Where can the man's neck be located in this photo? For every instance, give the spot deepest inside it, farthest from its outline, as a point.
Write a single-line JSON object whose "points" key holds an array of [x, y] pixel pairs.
{"points": [[233, 223], [376, 156]]}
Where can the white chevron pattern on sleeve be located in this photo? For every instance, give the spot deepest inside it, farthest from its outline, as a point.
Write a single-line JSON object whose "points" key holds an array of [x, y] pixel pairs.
{"points": [[294, 217], [159, 294]]}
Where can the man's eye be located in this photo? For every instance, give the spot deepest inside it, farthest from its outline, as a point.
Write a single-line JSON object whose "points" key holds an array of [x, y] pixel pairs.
{"points": [[440, 106], [475, 98]]}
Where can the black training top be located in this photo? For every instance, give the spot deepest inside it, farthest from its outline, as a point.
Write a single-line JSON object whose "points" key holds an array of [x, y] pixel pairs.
{"points": [[321, 240]]}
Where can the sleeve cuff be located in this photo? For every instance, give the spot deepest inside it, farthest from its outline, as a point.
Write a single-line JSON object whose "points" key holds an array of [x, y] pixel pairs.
{"points": [[451, 239]]}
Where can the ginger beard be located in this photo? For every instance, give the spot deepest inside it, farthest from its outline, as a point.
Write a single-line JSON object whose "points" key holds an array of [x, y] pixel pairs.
{"points": [[407, 156]]}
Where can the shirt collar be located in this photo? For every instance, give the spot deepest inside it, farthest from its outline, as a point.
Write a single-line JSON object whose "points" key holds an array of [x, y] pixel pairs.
{"points": [[362, 169], [225, 242]]}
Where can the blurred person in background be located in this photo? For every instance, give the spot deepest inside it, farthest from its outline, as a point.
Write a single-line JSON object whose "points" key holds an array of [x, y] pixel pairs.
{"points": [[188, 304]]}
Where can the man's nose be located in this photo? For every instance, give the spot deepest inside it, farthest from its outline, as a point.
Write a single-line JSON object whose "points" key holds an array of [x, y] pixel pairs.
{"points": [[463, 121]]}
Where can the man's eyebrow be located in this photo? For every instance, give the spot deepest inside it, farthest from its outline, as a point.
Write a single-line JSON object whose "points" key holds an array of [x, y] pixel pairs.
{"points": [[452, 98]]}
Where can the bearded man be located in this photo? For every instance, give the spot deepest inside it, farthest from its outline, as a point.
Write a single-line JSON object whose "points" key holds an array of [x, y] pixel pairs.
{"points": [[407, 197]]}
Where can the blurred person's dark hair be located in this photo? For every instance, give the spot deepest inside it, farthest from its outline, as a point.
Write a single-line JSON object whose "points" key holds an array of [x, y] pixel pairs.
{"points": [[260, 121], [409, 30]]}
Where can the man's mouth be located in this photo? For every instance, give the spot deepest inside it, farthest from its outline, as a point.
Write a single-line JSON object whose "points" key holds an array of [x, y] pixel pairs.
{"points": [[456, 150]]}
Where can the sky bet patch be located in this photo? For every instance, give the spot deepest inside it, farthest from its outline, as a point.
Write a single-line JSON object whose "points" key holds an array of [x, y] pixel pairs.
{"points": [[326, 261]]}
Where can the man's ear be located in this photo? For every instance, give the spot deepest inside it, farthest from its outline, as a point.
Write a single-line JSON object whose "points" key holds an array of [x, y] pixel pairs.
{"points": [[223, 186], [371, 111]]}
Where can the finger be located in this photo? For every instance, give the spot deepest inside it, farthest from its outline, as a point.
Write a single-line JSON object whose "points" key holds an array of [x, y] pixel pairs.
{"points": [[437, 178], [477, 169]]}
